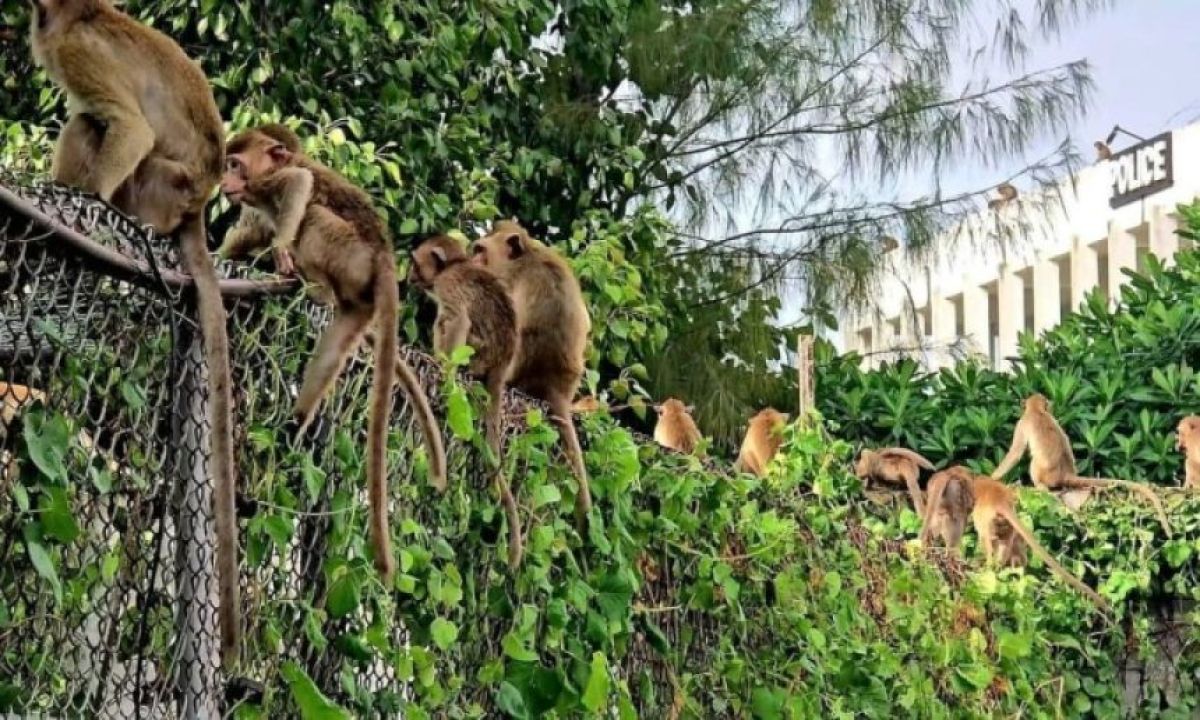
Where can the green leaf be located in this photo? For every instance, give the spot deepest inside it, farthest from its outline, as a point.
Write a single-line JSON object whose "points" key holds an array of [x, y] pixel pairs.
{"points": [[44, 565], [546, 495], [58, 520], [312, 704], [978, 676], [614, 595], [515, 648], [344, 595], [595, 695], [444, 633], [767, 704], [46, 438], [509, 700], [459, 415]]}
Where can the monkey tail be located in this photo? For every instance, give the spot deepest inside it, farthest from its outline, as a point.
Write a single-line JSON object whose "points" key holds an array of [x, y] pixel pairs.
{"points": [[194, 249], [494, 431], [387, 308], [1040, 551], [914, 490], [1082, 482], [429, 427]]}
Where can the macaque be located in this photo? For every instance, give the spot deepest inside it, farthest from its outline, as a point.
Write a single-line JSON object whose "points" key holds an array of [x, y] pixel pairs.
{"points": [[144, 133], [948, 517], [1187, 441], [475, 310], [1006, 193], [552, 328], [762, 441], [675, 428], [896, 467], [327, 229], [1052, 463], [1103, 151], [993, 512]]}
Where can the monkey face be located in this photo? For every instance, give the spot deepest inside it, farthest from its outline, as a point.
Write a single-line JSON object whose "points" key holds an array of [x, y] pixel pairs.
{"points": [[671, 406], [862, 466], [249, 157], [1185, 432]]}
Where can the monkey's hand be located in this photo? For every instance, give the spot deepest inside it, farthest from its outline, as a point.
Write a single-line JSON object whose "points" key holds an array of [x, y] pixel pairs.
{"points": [[284, 265]]}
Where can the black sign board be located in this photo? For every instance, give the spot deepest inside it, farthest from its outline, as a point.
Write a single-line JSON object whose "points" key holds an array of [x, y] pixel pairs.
{"points": [[1141, 170]]}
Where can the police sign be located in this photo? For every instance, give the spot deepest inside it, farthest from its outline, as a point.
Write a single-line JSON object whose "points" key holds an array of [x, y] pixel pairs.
{"points": [[1141, 170]]}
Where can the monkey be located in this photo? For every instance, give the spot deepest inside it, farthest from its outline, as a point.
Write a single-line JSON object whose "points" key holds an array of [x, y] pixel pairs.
{"points": [[762, 441], [948, 518], [675, 428], [553, 326], [993, 512], [1006, 193], [1052, 463], [327, 229], [1103, 151], [894, 466], [474, 309], [144, 133], [1187, 440]]}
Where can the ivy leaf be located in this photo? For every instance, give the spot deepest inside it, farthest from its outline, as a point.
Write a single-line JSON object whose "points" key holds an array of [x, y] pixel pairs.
{"points": [[313, 705], [444, 633], [510, 700], [344, 595], [46, 439], [767, 704], [546, 495], [44, 565], [458, 413], [614, 595], [978, 676], [595, 695], [58, 521], [515, 648]]}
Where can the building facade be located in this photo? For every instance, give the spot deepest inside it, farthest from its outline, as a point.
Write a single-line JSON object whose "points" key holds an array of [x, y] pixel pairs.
{"points": [[976, 298]]}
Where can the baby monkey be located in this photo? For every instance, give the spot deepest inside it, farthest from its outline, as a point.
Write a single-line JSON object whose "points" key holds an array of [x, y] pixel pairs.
{"points": [[327, 228], [992, 506], [474, 309], [676, 429]]}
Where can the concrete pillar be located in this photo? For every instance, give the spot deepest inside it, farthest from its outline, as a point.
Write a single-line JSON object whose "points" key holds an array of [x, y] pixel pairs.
{"points": [[1045, 295], [975, 318], [1164, 243], [1011, 294], [1122, 253], [942, 311], [1084, 272]]}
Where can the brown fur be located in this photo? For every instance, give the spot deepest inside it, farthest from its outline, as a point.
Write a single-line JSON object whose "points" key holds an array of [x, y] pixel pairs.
{"points": [[1187, 439], [552, 326], [329, 228], [1003, 536], [896, 467], [762, 441], [948, 517], [675, 428], [475, 310], [145, 134], [1052, 463]]}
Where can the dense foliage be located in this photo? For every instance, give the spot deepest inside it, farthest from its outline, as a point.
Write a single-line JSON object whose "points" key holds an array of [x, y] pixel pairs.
{"points": [[591, 120], [1119, 380]]}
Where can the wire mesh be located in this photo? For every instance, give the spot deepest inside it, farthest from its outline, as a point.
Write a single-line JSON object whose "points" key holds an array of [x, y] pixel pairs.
{"points": [[107, 582]]}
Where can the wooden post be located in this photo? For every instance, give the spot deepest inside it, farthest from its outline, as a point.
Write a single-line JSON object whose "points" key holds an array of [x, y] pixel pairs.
{"points": [[804, 367]]}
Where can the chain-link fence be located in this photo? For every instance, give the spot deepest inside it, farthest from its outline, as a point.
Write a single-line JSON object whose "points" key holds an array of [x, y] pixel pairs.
{"points": [[107, 581]]}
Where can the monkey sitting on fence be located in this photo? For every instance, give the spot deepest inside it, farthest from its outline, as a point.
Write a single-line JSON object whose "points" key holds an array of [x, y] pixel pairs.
{"points": [[474, 310], [321, 225]]}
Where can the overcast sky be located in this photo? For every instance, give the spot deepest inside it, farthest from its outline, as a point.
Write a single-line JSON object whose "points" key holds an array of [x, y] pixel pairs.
{"points": [[1145, 59]]}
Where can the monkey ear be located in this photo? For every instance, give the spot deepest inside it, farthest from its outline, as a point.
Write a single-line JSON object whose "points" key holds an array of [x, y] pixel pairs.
{"points": [[439, 257], [516, 246], [279, 153]]}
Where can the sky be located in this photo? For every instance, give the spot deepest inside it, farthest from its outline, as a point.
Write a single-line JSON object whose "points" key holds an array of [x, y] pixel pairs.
{"points": [[1145, 64], [1145, 58]]}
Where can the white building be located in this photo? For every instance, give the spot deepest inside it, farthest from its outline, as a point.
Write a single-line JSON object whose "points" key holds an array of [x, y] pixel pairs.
{"points": [[975, 298]]}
